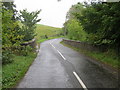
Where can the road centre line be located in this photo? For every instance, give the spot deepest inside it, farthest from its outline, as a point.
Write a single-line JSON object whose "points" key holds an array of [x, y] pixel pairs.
{"points": [[80, 81], [52, 45], [58, 52], [78, 78], [61, 55]]}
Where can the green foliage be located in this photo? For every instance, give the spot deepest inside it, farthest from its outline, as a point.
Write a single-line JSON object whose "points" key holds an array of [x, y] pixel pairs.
{"points": [[99, 20], [29, 21], [13, 72], [101, 23], [12, 7], [24, 50], [75, 30], [12, 39], [74, 11], [7, 57], [10, 36]]}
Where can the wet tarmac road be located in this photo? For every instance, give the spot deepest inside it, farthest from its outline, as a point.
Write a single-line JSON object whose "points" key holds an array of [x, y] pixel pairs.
{"points": [[57, 66]]}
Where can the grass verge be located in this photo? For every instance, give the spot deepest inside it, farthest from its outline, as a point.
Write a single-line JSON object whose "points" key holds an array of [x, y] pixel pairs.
{"points": [[100, 56], [13, 72], [42, 40]]}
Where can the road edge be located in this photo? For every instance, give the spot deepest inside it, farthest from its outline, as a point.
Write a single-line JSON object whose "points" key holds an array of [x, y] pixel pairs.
{"points": [[107, 67]]}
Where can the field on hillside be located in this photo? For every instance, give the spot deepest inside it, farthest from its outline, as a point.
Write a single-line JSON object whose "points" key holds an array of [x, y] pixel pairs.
{"points": [[44, 31]]}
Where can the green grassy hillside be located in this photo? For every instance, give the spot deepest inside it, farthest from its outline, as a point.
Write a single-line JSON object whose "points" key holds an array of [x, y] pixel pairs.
{"points": [[42, 31]]}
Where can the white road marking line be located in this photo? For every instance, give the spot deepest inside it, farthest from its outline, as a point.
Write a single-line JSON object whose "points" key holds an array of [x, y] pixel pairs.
{"points": [[52, 45], [61, 55], [80, 81], [59, 52]]}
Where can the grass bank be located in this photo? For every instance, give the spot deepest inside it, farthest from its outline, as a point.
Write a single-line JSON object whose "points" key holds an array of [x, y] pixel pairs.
{"points": [[105, 57], [13, 72], [43, 31]]}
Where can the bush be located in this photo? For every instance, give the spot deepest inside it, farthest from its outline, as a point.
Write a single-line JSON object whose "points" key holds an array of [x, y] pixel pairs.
{"points": [[75, 30], [7, 56], [24, 50]]}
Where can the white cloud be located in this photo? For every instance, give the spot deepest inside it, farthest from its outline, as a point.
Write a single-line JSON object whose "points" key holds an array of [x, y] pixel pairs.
{"points": [[53, 12]]}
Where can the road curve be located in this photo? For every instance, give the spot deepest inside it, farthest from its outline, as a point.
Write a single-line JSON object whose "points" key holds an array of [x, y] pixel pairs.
{"points": [[57, 66]]}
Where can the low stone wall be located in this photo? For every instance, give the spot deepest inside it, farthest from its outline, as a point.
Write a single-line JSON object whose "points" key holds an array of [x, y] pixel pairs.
{"points": [[83, 45], [31, 43]]}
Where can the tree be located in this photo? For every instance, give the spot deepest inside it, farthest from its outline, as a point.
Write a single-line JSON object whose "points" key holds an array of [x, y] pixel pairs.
{"points": [[75, 30], [10, 6], [99, 20], [75, 10], [29, 21], [105, 20], [10, 37]]}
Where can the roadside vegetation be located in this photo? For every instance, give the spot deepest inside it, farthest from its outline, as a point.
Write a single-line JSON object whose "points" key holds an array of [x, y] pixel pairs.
{"points": [[96, 23], [17, 29], [104, 57], [13, 72]]}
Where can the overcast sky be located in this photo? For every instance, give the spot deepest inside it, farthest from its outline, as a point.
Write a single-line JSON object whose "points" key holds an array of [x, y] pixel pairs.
{"points": [[53, 12]]}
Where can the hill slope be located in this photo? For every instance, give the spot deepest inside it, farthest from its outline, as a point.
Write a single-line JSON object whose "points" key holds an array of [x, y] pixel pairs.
{"points": [[43, 30]]}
